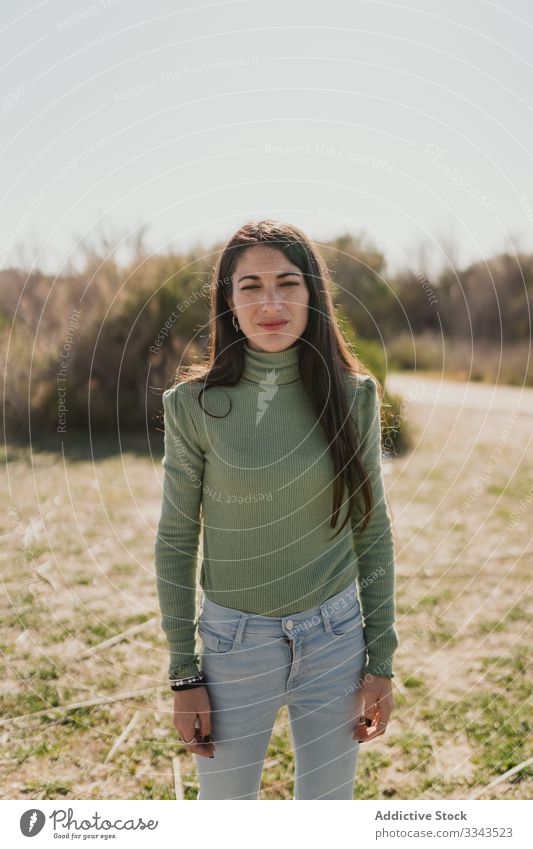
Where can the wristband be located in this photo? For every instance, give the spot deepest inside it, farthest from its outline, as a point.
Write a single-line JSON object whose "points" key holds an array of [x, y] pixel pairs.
{"points": [[198, 680]]}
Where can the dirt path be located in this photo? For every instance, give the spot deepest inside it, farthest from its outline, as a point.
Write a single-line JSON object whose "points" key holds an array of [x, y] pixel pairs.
{"points": [[420, 388]]}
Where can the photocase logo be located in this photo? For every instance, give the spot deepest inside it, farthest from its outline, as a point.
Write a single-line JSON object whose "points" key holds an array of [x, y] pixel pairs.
{"points": [[65, 824], [32, 822], [267, 389]]}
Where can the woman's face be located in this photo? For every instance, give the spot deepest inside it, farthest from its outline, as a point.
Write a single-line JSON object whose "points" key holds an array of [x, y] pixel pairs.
{"points": [[270, 298]]}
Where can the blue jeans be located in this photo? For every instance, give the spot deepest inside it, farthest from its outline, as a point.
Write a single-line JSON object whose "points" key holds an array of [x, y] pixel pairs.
{"points": [[312, 662]]}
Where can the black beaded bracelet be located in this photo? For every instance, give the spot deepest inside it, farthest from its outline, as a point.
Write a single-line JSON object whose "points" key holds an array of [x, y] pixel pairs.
{"points": [[178, 684]]}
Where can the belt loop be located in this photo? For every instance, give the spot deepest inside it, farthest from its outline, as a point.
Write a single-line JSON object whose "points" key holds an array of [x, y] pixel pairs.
{"points": [[325, 617], [240, 628]]}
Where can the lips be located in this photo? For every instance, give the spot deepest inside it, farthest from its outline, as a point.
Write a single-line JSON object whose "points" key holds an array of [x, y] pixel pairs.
{"points": [[273, 324]]}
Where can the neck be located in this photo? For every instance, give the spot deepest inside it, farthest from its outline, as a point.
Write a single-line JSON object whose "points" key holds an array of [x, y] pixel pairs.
{"points": [[277, 367]]}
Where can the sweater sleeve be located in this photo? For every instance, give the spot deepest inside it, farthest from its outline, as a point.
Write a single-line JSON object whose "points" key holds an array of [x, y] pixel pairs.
{"points": [[178, 533], [375, 546]]}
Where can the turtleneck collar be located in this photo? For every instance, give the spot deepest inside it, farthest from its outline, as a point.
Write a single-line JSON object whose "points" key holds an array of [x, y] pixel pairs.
{"points": [[284, 364]]}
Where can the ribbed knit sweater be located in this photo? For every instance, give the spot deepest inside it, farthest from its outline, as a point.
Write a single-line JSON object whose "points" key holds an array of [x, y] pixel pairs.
{"points": [[260, 470]]}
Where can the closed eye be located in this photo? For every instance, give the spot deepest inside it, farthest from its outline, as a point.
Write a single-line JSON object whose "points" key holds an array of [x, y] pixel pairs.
{"points": [[288, 283]]}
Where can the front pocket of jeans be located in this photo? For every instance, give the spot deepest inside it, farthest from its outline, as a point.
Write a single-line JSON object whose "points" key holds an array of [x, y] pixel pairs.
{"points": [[345, 621], [215, 641]]}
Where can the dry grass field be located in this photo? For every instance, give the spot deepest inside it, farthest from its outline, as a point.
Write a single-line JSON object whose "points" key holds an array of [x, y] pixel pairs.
{"points": [[86, 712]]}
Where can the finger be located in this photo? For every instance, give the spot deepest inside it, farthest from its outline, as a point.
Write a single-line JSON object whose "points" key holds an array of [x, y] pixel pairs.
{"points": [[384, 711], [197, 745], [204, 722], [367, 728], [364, 735], [186, 730], [382, 717], [375, 731], [205, 750], [203, 734], [361, 728], [380, 720]]}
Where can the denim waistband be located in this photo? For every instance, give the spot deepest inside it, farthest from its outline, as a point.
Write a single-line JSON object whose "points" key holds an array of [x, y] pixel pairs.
{"points": [[276, 625]]}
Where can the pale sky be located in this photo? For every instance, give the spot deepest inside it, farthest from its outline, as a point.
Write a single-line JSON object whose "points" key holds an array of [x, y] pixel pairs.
{"points": [[411, 121]]}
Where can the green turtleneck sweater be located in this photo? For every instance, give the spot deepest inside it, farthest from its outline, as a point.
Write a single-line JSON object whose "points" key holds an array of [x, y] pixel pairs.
{"points": [[262, 473]]}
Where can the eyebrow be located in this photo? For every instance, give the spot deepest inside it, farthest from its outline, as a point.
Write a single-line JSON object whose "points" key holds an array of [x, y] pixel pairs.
{"points": [[258, 276]]}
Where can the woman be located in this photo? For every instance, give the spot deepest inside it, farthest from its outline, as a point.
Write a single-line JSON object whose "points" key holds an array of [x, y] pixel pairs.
{"points": [[277, 441]]}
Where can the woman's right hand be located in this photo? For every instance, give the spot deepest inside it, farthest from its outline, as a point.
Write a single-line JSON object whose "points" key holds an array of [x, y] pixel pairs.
{"points": [[188, 705]]}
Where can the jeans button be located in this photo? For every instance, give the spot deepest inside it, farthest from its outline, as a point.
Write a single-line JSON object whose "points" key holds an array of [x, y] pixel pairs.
{"points": [[289, 623]]}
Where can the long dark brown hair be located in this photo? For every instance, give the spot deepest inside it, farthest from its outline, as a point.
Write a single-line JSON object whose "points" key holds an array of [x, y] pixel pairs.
{"points": [[322, 374]]}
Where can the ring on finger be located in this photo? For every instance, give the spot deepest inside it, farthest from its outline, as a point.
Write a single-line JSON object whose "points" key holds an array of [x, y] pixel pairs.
{"points": [[188, 742]]}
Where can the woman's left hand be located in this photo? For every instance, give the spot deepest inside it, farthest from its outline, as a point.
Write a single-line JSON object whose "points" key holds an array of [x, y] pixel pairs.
{"points": [[374, 707]]}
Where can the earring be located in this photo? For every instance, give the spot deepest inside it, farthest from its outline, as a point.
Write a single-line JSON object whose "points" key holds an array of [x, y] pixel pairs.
{"points": [[235, 323]]}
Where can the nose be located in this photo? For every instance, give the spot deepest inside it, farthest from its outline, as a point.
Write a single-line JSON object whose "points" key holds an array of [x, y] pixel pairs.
{"points": [[272, 303]]}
